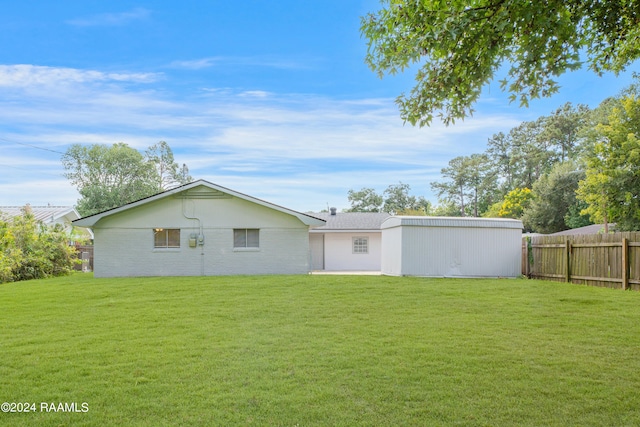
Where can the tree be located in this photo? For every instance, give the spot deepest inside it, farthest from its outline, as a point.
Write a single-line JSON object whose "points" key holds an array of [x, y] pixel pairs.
{"points": [[110, 176], [554, 199], [593, 190], [562, 129], [515, 203], [480, 181], [395, 200], [398, 200], [532, 156], [31, 250], [453, 190], [460, 45], [365, 200], [470, 183], [500, 152], [574, 217], [169, 174], [11, 256], [446, 208], [611, 187]]}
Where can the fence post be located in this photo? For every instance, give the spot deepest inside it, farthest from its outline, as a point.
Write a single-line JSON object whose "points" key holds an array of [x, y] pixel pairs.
{"points": [[527, 255], [567, 265], [625, 263]]}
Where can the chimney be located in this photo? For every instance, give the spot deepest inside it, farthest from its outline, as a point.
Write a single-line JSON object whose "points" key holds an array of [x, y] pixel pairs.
{"points": [[333, 211]]}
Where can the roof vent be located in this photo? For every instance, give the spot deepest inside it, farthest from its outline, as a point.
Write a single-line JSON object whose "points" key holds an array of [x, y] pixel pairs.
{"points": [[333, 211]]}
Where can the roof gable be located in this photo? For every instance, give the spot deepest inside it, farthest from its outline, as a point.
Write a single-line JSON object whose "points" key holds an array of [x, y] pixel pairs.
{"points": [[200, 189]]}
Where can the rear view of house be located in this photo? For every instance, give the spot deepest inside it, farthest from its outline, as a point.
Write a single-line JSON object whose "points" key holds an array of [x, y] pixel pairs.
{"points": [[200, 229]]}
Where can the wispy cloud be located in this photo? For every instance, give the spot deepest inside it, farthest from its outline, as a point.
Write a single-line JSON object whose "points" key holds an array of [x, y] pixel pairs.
{"points": [[111, 19], [245, 61], [291, 149], [26, 75], [196, 64]]}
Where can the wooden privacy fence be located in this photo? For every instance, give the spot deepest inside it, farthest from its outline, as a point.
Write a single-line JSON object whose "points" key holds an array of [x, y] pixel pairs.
{"points": [[609, 260], [85, 254]]}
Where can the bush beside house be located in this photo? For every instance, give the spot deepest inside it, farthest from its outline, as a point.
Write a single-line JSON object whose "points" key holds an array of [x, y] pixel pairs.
{"points": [[32, 250]]}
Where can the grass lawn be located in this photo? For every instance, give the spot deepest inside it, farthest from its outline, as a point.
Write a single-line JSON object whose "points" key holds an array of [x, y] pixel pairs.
{"points": [[319, 350]]}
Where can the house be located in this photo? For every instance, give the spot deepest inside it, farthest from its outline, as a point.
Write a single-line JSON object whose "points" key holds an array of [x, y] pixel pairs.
{"points": [[451, 247], [205, 229], [47, 215], [588, 229], [349, 241], [200, 229]]}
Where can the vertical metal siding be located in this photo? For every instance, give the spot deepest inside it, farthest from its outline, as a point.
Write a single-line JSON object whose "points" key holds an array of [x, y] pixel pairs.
{"points": [[316, 247], [392, 251], [460, 252], [452, 251]]}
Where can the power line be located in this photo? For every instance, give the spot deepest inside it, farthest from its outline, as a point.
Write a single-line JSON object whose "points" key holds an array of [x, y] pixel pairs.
{"points": [[31, 146]]}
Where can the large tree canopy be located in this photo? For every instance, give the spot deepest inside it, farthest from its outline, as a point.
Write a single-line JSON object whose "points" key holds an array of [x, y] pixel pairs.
{"points": [[611, 187], [459, 46], [111, 176]]}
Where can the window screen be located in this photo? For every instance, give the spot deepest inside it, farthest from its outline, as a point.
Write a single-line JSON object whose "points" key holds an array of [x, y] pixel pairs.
{"points": [[166, 238], [246, 238]]}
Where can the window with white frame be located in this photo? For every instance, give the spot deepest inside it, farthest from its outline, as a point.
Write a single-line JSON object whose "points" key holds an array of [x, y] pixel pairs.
{"points": [[360, 245], [246, 238], [164, 238]]}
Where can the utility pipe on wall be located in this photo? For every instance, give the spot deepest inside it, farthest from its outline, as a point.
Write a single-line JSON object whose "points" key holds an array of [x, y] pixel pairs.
{"points": [[200, 240]]}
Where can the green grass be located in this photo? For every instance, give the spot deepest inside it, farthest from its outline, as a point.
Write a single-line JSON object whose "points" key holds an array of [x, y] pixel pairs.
{"points": [[320, 350]]}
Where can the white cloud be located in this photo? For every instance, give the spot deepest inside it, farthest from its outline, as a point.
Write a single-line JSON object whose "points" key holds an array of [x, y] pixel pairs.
{"points": [[300, 151], [38, 192], [111, 19], [275, 62], [196, 64], [30, 76], [254, 94]]}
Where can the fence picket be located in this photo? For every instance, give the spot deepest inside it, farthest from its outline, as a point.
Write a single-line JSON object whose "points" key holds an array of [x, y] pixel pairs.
{"points": [[611, 260]]}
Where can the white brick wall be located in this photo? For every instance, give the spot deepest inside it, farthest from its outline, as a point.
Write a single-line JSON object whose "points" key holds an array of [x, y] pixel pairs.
{"points": [[130, 252], [124, 242]]}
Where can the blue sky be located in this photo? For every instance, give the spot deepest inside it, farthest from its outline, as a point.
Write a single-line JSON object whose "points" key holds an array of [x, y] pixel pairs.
{"points": [[272, 99]]}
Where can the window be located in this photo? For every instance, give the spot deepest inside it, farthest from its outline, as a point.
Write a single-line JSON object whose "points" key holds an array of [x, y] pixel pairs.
{"points": [[360, 245], [246, 238], [166, 238]]}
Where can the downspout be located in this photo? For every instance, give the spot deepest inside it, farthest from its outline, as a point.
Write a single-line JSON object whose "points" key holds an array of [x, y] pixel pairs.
{"points": [[200, 235]]}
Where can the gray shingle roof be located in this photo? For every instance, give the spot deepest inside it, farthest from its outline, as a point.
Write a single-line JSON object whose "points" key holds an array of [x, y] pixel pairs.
{"points": [[351, 220]]}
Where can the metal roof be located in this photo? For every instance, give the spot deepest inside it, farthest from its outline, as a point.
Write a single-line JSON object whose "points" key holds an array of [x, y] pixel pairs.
{"points": [[589, 229], [345, 221], [434, 221], [44, 214]]}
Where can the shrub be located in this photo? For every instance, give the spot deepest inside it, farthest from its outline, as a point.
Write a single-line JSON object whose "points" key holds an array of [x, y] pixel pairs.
{"points": [[31, 250]]}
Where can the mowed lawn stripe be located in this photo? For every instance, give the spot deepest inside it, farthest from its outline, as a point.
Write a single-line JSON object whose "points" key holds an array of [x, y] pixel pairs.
{"points": [[320, 350]]}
